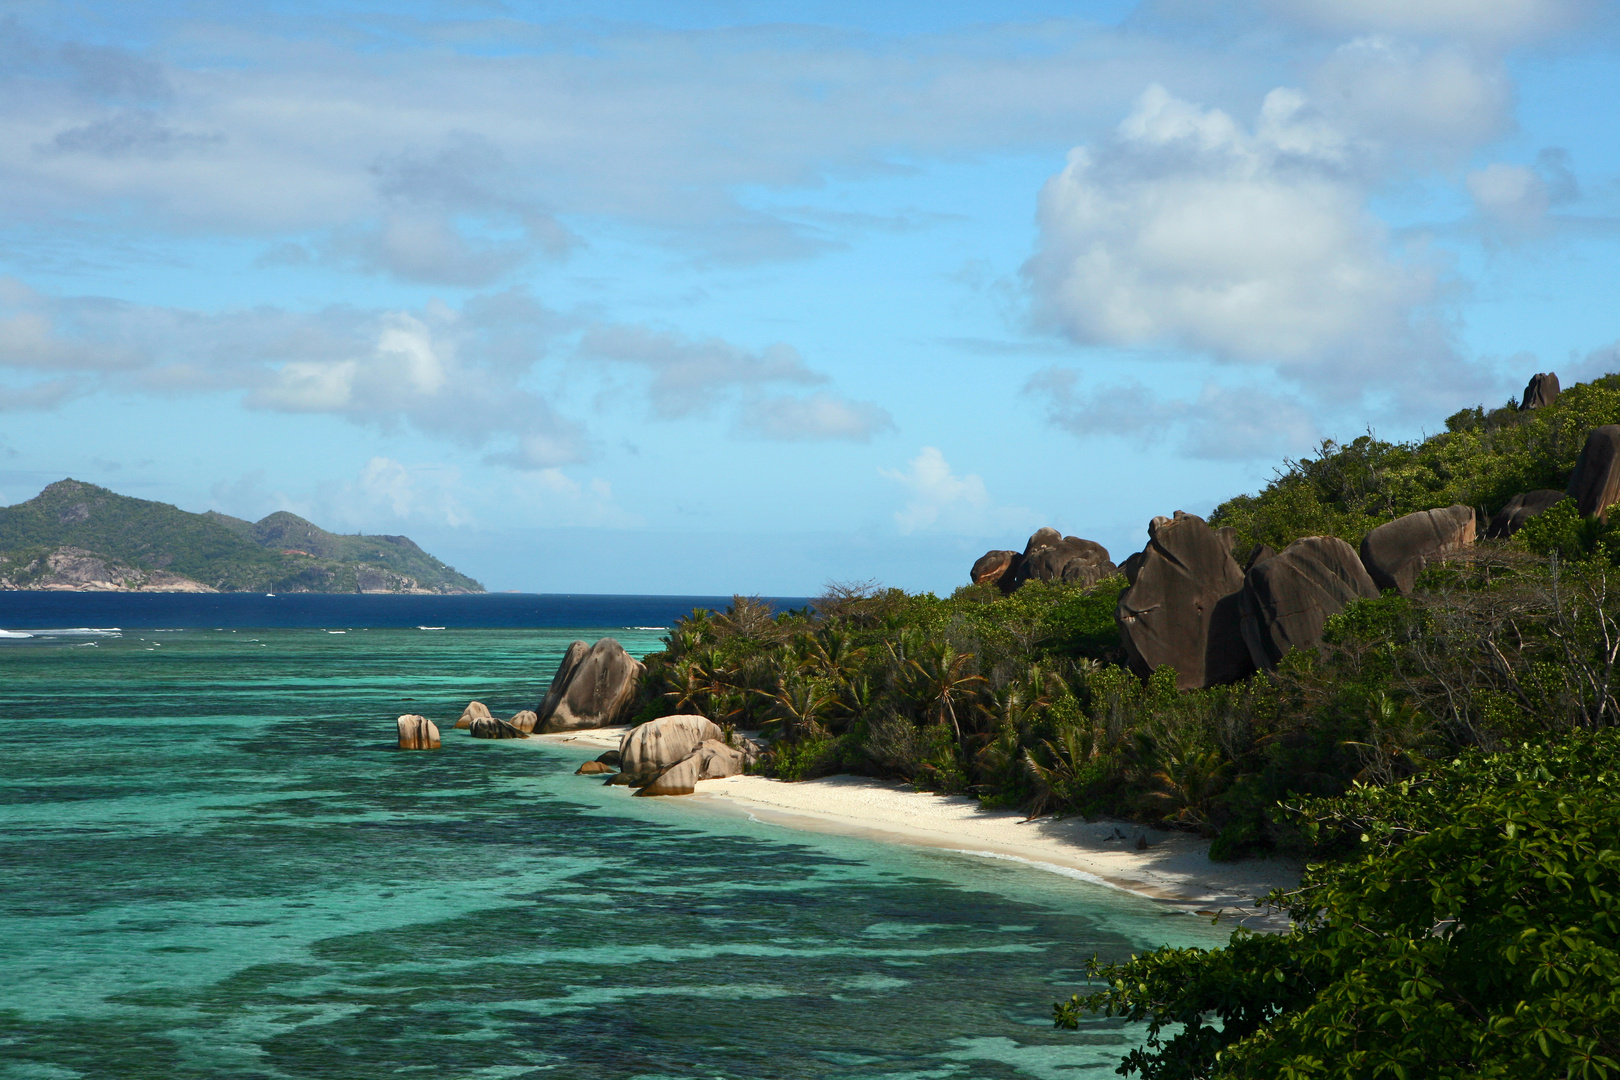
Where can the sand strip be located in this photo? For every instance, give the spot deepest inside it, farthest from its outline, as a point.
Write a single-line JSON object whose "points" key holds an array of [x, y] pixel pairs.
{"points": [[1174, 867]]}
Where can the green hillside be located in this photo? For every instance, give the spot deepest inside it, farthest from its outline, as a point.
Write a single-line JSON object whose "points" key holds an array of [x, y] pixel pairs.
{"points": [[282, 553]]}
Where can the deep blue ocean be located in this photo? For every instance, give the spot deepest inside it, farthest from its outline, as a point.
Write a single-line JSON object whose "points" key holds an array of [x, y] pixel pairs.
{"points": [[215, 863]]}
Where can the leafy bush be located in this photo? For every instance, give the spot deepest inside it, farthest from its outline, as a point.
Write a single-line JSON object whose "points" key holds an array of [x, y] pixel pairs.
{"points": [[1474, 931]]}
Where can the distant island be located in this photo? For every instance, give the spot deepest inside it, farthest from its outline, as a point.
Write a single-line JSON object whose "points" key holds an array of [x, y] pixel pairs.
{"points": [[79, 537]]}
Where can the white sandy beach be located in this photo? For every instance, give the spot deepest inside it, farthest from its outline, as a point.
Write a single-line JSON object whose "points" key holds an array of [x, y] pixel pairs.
{"points": [[1175, 867]]}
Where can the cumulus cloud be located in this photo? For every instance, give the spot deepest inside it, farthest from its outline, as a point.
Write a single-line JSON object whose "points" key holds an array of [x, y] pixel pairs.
{"points": [[1251, 246], [1419, 104], [1232, 423], [941, 501]]}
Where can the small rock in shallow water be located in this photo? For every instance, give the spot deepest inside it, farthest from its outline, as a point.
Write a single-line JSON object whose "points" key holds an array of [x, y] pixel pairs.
{"points": [[593, 768], [524, 721], [489, 727], [473, 711], [611, 757], [417, 733]]}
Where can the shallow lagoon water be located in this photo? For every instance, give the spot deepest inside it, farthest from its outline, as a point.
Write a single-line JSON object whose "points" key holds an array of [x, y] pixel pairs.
{"points": [[213, 863]]}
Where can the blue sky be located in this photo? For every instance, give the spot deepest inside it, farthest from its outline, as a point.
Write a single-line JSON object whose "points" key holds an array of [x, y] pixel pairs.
{"points": [[749, 297]]}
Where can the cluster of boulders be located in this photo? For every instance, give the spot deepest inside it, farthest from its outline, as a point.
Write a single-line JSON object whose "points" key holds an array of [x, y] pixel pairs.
{"points": [[1215, 614], [1049, 556], [592, 688], [668, 756]]}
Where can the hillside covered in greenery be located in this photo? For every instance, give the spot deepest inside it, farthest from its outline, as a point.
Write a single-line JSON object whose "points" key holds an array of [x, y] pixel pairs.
{"points": [[1446, 757], [282, 553]]}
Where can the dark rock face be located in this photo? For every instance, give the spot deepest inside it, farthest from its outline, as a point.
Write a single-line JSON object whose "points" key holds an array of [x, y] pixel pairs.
{"points": [[999, 568], [1287, 598], [1051, 556], [1396, 551], [1595, 483], [592, 688], [1182, 607], [1520, 509], [493, 727], [1542, 390]]}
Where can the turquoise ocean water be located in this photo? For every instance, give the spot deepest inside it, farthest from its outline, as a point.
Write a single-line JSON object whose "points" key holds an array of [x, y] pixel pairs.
{"points": [[214, 863]]}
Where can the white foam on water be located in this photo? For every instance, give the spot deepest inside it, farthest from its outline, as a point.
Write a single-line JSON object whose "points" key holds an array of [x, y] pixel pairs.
{"points": [[79, 631], [337, 631], [1051, 868], [646, 628], [430, 628], [14, 634]]}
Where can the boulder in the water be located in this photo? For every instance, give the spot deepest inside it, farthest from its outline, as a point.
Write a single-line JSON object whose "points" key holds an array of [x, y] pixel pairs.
{"points": [[493, 727], [1182, 606], [649, 749], [1520, 509], [524, 720], [1397, 551], [473, 711], [417, 733], [1288, 598], [609, 757], [1595, 483], [1541, 391], [593, 687], [593, 768]]}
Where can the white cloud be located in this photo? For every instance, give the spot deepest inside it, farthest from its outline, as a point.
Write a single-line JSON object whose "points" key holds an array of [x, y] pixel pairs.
{"points": [[1421, 105], [1511, 196], [1495, 21], [1253, 247], [1221, 422], [941, 501], [701, 377], [813, 418]]}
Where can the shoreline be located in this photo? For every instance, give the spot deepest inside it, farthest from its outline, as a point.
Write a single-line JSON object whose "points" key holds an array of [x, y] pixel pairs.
{"points": [[1174, 869]]}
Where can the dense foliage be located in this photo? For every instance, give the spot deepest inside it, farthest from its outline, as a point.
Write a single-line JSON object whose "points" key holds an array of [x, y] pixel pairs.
{"points": [[219, 551], [1023, 701], [1472, 931], [1482, 460]]}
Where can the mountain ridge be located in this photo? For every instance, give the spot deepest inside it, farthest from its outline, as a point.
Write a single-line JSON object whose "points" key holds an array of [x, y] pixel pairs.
{"points": [[79, 536]]}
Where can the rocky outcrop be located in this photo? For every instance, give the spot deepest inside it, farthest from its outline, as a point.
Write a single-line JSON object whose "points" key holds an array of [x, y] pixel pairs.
{"points": [[417, 733], [1288, 597], [998, 568], [1541, 391], [712, 759], [1051, 556], [493, 727], [1182, 607], [72, 569], [593, 768], [1397, 551], [1595, 483], [1520, 509], [524, 720], [649, 749], [473, 711], [593, 687]]}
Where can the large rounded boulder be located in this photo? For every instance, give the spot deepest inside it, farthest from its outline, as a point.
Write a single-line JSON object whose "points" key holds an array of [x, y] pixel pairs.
{"points": [[472, 712], [998, 568], [1520, 509], [649, 749], [417, 733], [1595, 483], [712, 759], [593, 687], [1288, 598], [1182, 607], [1397, 551]]}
